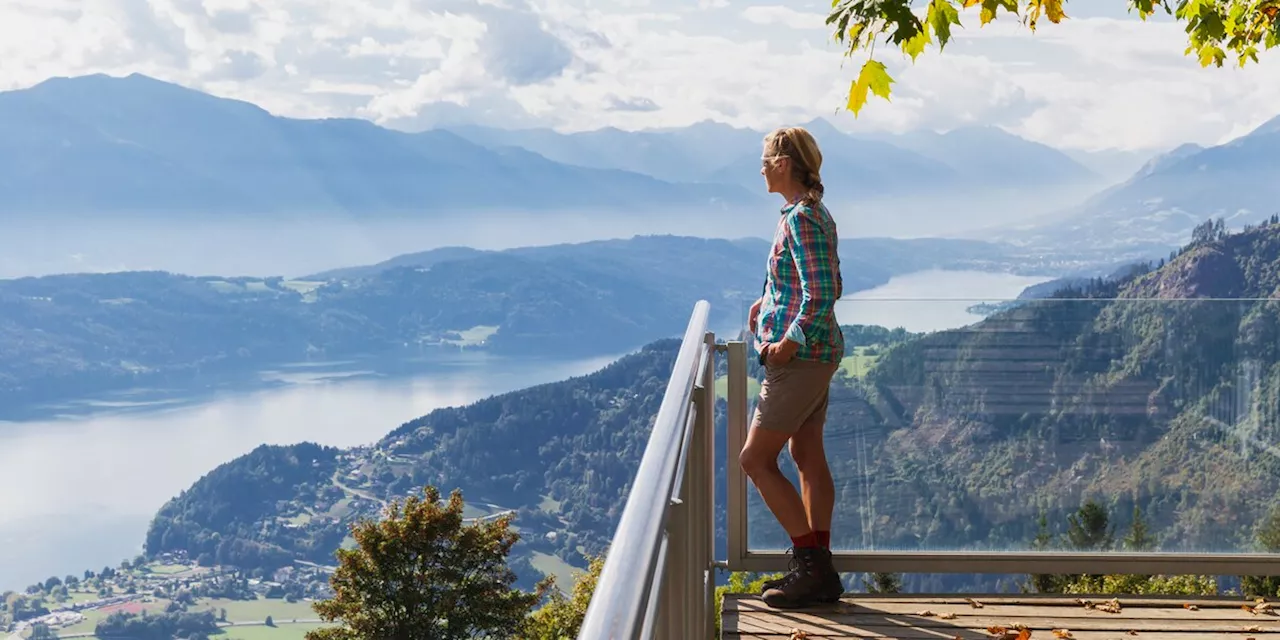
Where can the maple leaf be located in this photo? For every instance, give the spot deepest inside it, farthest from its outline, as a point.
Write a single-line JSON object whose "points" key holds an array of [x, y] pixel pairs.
{"points": [[1053, 11], [940, 16], [915, 46], [1062, 633], [873, 78], [797, 634]]}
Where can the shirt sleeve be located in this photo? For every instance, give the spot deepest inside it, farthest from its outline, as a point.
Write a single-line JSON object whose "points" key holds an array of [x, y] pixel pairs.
{"points": [[817, 269]]}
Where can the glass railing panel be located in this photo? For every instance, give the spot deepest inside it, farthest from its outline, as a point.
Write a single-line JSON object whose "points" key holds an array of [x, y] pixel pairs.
{"points": [[1051, 424]]}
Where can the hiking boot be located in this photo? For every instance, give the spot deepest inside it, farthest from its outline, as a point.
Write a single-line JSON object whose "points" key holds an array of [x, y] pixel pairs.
{"points": [[814, 582], [832, 587], [793, 566]]}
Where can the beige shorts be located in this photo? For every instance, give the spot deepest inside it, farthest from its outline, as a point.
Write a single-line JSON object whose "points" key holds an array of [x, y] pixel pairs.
{"points": [[793, 395]]}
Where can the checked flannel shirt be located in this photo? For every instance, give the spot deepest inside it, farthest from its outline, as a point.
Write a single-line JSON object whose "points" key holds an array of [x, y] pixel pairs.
{"points": [[803, 284]]}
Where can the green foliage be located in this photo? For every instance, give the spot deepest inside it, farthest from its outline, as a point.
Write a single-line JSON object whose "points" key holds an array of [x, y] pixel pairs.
{"points": [[883, 583], [1088, 530], [420, 574], [164, 626], [220, 516], [42, 632], [1137, 585], [1139, 537], [1215, 29], [1268, 537], [561, 617]]}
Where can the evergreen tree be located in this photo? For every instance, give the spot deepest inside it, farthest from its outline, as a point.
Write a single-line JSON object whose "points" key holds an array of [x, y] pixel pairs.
{"points": [[420, 574]]}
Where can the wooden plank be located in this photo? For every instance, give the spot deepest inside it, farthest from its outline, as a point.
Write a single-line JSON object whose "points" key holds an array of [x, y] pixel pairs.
{"points": [[1237, 612], [732, 599], [981, 634], [818, 624]]}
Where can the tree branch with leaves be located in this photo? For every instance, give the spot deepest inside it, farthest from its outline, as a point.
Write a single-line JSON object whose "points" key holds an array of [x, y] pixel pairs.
{"points": [[1215, 29]]}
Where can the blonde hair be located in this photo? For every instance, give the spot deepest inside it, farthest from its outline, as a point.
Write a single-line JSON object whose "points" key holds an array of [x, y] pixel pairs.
{"points": [[806, 159]]}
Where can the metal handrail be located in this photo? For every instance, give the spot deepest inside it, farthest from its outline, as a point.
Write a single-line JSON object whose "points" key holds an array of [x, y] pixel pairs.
{"points": [[624, 605]]}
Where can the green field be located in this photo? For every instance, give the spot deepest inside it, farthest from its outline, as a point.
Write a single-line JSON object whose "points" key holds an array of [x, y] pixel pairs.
{"points": [[167, 569], [473, 336], [258, 610], [281, 631], [722, 387], [859, 364], [550, 565], [91, 618]]}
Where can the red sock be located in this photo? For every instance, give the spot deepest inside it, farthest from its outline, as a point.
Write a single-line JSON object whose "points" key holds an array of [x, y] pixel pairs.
{"points": [[824, 539], [806, 541]]}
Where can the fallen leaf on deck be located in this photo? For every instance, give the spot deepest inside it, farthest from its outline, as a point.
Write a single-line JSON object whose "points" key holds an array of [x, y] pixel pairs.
{"points": [[1191, 607], [797, 634], [1265, 607], [926, 614], [947, 616], [974, 603], [1254, 628], [1132, 632], [1062, 633], [1110, 607]]}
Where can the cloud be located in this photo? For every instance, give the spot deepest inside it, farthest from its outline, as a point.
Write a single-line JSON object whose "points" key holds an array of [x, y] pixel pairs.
{"points": [[785, 16], [1101, 79]]}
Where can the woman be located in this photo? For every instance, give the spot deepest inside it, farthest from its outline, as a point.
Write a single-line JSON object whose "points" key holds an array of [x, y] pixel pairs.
{"points": [[800, 346]]}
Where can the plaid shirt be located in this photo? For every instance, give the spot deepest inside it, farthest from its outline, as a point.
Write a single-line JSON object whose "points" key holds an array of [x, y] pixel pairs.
{"points": [[803, 284]]}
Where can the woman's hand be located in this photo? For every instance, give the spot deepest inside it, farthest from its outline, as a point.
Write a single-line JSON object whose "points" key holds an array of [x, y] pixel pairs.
{"points": [[780, 353]]}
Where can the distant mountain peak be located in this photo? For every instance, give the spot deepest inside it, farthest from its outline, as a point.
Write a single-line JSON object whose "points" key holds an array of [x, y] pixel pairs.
{"points": [[1266, 128]]}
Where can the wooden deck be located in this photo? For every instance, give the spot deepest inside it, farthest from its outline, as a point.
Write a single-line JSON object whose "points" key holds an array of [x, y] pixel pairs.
{"points": [[908, 617]]}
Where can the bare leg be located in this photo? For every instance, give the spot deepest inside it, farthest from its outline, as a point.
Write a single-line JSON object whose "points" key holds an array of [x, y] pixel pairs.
{"points": [[818, 488], [759, 461]]}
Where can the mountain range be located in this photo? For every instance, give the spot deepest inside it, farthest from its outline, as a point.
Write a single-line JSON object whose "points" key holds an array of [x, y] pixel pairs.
{"points": [[136, 145], [1159, 205], [115, 146]]}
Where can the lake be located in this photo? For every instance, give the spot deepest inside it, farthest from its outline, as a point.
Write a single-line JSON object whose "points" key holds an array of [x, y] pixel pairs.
{"points": [[80, 485], [930, 300], [79, 490]]}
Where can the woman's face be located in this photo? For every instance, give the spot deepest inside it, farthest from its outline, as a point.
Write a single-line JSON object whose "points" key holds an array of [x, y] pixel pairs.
{"points": [[774, 169]]}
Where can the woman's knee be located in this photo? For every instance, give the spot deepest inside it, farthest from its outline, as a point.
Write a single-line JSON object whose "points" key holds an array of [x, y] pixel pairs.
{"points": [[755, 461]]}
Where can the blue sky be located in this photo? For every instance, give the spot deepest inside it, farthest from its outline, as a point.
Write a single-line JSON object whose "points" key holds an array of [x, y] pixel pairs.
{"points": [[1101, 80]]}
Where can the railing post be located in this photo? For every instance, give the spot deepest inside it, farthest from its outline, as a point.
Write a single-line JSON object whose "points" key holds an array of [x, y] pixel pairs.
{"points": [[705, 480], [736, 433]]}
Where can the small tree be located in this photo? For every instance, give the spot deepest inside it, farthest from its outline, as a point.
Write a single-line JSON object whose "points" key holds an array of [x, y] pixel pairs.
{"points": [[1139, 538], [562, 616], [420, 574], [1088, 529], [883, 583], [42, 631]]}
